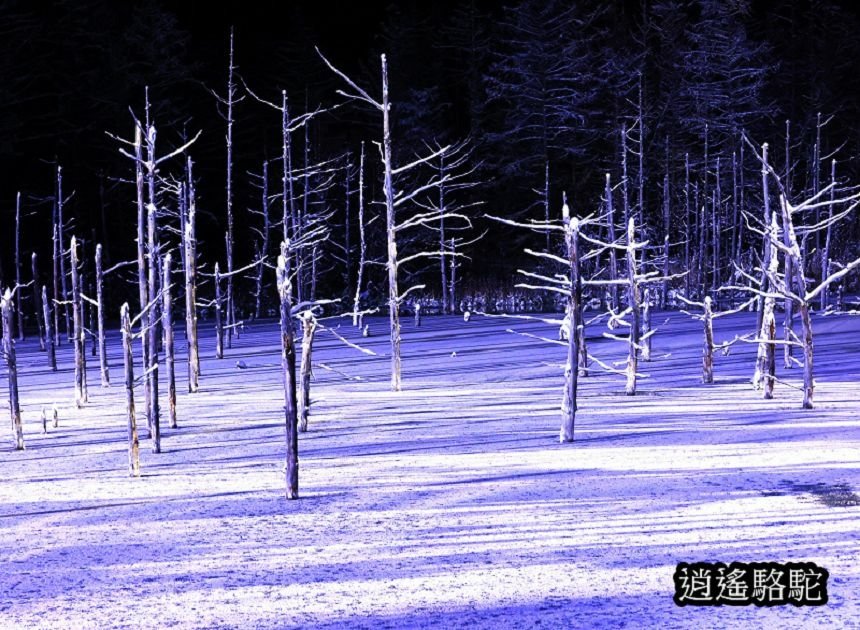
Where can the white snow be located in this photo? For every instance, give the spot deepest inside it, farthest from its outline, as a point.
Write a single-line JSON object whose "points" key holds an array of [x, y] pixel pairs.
{"points": [[449, 504]]}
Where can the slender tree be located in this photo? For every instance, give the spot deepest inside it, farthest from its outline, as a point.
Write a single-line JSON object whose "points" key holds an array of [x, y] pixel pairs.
{"points": [[394, 201], [128, 361], [7, 309], [49, 333], [81, 396], [288, 365], [309, 327], [169, 354]]}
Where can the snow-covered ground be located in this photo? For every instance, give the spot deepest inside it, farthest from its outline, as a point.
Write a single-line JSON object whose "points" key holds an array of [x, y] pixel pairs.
{"points": [[449, 504]]}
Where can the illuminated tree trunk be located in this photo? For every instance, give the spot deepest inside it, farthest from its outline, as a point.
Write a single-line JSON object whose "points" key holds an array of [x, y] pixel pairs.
{"points": [[388, 189], [167, 325], [128, 361], [6, 308], [191, 288], [309, 326], [568, 407], [103, 364], [219, 326], [78, 339], [288, 365], [49, 334]]}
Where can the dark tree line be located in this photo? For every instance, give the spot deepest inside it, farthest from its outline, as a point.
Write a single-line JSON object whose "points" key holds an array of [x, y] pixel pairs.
{"points": [[552, 95]]}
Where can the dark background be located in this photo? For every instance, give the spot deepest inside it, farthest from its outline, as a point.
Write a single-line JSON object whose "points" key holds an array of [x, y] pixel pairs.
{"points": [[531, 83]]}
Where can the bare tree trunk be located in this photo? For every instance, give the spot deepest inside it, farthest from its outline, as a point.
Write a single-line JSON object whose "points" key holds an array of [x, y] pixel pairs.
{"points": [[219, 327], [151, 318], [49, 334], [641, 174], [347, 221], [768, 329], [788, 321], [62, 239], [825, 254], [314, 256], [708, 346], [808, 381], [288, 365], [128, 361], [646, 324], [191, 288], [769, 324], [734, 249], [56, 282], [452, 300], [443, 270], [613, 258], [81, 397], [741, 202], [388, 189], [569, 407], [688, 234], [362, 243], [92, 311], [142, 271], [264, 247], [545, 203], [625, 200], [716, 218], [633, 304], [169, 355], [6, 307], [309, 326], [758, 376], [231, 309], [37, 302], [664, 294], [105, 371], [19, 310]]}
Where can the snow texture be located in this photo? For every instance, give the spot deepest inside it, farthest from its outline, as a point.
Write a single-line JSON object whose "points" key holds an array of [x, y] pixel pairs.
{"points": [[449, 504]]}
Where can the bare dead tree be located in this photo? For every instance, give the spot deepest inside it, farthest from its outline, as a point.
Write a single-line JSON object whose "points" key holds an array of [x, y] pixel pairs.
{"points": [[169, 354], [7, 310], [309, 327], [228, 102], [146, 168], [646, 323], [613, 258], [49, 334], [81, 395], [264, 232], [797, 288], [128, 361], [100, 305], [190, 240], [707, 318], [61, 238], [288, 365], [19, 310], [395, 200], [362, 246], [219, 325]]}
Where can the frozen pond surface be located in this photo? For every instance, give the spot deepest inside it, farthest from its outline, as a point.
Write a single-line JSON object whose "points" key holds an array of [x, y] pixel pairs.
{"points": [[448, 504]]}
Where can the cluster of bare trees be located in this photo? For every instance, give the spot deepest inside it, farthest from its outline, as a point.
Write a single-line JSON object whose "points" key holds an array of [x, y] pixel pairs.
{"points": [[785, 256]]}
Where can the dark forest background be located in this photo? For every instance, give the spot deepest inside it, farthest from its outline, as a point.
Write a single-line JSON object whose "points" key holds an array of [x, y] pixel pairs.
{"points": [[533, 84]]}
